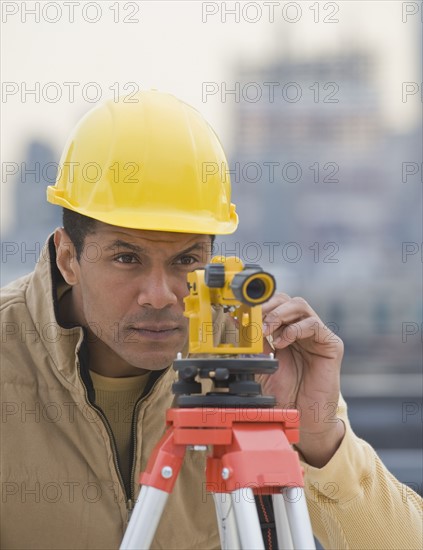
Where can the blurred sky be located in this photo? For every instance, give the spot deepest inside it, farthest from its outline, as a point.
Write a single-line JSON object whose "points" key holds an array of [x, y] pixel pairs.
{"points": [[175, 46]]}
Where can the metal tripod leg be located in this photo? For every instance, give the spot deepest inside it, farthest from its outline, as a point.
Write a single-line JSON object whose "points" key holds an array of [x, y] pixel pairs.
{"points": [[239, 525], [283, 528], [293, 527], [145, 518], [237, 517], [228, 530], [299, 520], [247, 519]]}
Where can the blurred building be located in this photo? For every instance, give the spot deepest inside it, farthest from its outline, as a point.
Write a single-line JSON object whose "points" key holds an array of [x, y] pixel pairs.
{"points": [[336, 213], [34, 218], [331, 191]]}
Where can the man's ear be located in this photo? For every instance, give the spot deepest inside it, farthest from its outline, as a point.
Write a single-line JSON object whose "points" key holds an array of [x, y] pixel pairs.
{"points": [[66, 258]]}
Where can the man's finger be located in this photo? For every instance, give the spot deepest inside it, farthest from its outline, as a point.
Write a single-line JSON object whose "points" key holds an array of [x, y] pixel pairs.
{"points": [[276, 300], [312, 327], [286, 313]]}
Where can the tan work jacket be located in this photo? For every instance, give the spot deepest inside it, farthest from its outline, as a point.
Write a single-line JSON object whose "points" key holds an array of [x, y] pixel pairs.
{"points": [[61, 488]]}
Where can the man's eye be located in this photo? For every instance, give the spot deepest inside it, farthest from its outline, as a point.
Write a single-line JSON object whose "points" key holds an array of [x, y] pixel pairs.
{"points": [[187, 260], [126, 259]]}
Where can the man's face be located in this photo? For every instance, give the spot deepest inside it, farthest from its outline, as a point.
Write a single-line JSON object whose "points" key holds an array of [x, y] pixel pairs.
{"points": [[129, 293]]}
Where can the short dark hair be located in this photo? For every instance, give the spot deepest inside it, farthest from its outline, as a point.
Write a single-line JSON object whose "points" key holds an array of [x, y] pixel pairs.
{"points": [[78, 226]]}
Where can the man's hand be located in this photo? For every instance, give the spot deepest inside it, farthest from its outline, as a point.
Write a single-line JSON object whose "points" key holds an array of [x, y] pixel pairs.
{"points": [[308, 377]]}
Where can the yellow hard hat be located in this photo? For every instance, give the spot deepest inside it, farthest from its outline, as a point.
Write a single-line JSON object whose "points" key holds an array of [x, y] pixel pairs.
{"points": [[149, 162]]}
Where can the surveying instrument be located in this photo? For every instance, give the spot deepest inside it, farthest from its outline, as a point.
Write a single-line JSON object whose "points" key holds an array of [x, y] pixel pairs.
{"points": [[248, 439]]}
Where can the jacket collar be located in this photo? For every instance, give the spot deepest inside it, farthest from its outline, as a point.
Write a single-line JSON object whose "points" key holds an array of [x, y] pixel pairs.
{"points": [[62, 343]]}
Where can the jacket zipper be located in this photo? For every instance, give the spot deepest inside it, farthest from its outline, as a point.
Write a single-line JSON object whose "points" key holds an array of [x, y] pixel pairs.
{"points": [[130, 498], [134, 444], [134, 447], [109, 431], [130, 503], [137, 406]]}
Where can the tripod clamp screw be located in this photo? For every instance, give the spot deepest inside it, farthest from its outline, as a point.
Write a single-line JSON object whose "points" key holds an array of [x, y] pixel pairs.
{"points": [[167, 472], [226, 473]]}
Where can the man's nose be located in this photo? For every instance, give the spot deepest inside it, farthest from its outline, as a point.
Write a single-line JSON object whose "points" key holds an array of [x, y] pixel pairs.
{"points": [[157, 291]]}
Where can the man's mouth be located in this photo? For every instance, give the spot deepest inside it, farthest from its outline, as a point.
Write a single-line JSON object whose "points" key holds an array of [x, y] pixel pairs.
{"points": [[155, 332]]}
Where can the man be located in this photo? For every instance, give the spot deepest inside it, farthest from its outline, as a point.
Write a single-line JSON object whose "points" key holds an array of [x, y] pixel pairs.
{"points": [[90, 335]]}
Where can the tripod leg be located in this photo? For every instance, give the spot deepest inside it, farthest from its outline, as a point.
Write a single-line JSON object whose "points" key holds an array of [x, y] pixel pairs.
{"points": [[283, 529], [299, 520], [247, 520], [228, 530], [140, 533]]}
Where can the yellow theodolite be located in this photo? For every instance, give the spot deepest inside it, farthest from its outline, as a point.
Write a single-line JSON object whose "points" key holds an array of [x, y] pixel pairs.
{"points": [[240, 289]]}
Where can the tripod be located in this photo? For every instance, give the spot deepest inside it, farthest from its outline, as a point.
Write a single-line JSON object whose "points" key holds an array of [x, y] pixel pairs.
{"points": [[251, 454]]}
